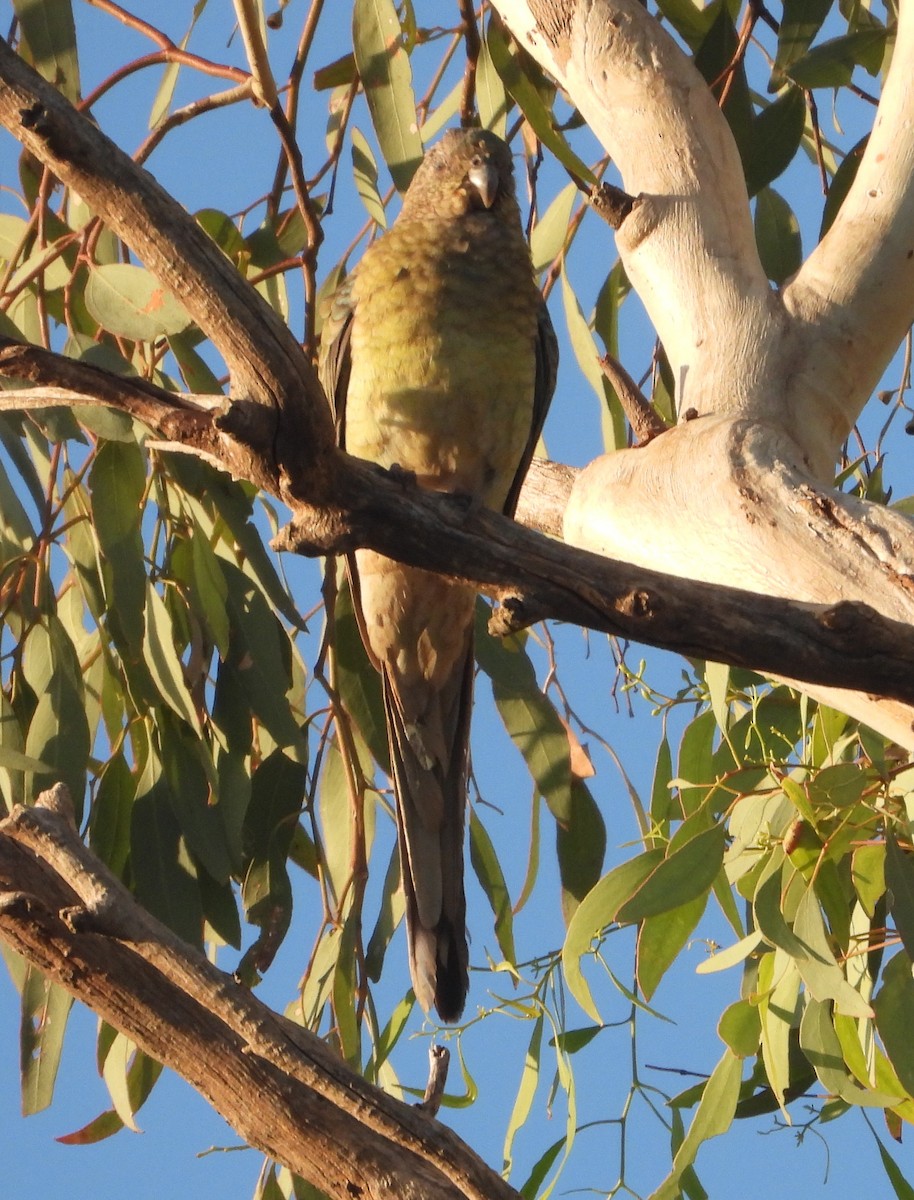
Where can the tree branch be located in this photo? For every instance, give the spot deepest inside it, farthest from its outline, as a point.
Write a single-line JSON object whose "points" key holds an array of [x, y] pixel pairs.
{"points": [[66, 913], [266, 362], [855, 292]]}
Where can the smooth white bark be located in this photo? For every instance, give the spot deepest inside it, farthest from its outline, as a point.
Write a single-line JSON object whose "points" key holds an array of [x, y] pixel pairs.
{"points": [[738, 497]]}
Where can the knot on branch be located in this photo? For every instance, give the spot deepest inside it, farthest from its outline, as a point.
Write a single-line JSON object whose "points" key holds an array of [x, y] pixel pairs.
{"points": [[248, 422], [640, 603], [611, 203], [513, 614]]}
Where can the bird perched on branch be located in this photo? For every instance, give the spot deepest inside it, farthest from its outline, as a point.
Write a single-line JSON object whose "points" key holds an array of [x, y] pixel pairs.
{"points": [[439, 358]]}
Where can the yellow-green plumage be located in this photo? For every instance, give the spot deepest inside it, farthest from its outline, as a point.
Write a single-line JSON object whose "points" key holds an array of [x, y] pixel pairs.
{"points": [[440, 360]]}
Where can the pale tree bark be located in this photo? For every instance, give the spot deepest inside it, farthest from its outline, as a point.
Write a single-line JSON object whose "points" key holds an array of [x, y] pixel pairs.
{"points": [[776, 380]]}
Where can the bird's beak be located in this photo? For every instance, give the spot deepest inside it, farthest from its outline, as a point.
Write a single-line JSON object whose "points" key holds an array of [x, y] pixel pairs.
{"points": [[484, 178]]}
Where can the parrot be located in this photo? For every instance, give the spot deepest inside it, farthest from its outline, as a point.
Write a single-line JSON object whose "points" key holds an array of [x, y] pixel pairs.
{"points": [[439, 360]]}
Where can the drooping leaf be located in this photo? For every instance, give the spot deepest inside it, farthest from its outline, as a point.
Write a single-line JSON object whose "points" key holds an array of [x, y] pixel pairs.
{"points": [[686, 873], [740, 1028], [596, 911], [491, 97], [831, 64], [841, 184], [365, 174], [491, 877], [117, 482], [163, 662], [660, 940], [580, 844], [894, 1008], [775, 137], [49, 36], [511, 69], [523, 1101], [777, 234], [383, 66], [44, 1009], [163, 876], [714, 1116], [800, 22], [529, 717]]}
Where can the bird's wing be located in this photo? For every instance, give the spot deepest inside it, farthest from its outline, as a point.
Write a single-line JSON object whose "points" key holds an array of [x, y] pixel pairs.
{"points": [[547, 365]]}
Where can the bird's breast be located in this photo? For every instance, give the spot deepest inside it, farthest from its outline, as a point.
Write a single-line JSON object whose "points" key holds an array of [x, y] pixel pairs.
{"points": [[443, 356]]}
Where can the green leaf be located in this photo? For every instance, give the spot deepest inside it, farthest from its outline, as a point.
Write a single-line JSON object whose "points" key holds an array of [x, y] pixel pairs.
{"points": [[277, 795], [900, 1185], [117, 482], [713, 1117], [740, 1028], [899, 880], [489, 873], [734, 954], [777, 234], [365, 174], [548, 235], [660, 940], [894, 1008], [210, 589], [841, 184], [824, 979], [491, 97], [696, 760], [820, 1043], [191, 780], [511, 70], [687, 873], [541, 1168], [44, 1009], [129, 302], [580, 844], [528, 715], [58, 733], [587, 354], [831, 64], [163, 875], [383, 66], [597, 910], [357, 681], [389, 916], [117, 1062], [259, 661], [109, 822], [163, 661], [49, 34], [800, 22], [775, 138], [523, 1101], [868, 875]]}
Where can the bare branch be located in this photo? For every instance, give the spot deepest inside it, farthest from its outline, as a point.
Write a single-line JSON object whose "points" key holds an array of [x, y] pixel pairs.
{"points": [[65, 912], [266, 362]]}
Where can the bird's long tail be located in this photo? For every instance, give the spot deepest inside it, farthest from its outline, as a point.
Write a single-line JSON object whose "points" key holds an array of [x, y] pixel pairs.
{"points": [[429, 767]]}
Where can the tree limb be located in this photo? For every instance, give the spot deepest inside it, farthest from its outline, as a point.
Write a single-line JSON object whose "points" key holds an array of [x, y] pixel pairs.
{"points": [[65, 912], [265, 361], [855, 292]]}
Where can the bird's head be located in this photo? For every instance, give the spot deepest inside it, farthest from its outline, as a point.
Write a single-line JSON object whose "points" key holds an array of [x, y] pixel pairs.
{"points": [[468, 170]]}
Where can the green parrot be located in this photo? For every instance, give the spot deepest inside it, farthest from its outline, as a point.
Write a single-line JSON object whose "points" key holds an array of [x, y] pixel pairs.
{"points": [[439, 358]]}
